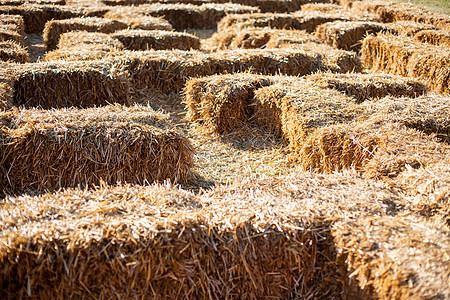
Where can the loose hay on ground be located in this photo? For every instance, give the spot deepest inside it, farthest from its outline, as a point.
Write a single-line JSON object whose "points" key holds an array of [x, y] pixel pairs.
{"points": [[138, 39], [369, 86], [51, 149], [54, 29], [67, 84], [403, 56]]}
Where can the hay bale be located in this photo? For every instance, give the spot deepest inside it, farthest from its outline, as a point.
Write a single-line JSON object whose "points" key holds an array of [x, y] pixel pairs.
{"points": [[48, 150], [135, 19], [138, 39], [347, 35], [410, 12], [9, 33], [54, 29], [83, 52], [67, 84], [83, 38], [384, 254], [254, 38], [435, 37], [402, 56], [300, 109], [21, 2], [364, 87], [222, 103], [267, 237], [429, 114], [168, 71], [329, 8], [13, 52], [300, 20], [14, 20], [376, 147], [35, 15], [410, 28], [6, 97], [183, 16]]}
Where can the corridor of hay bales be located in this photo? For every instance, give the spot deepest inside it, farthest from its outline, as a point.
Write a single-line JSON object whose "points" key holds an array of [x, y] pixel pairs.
{"points": [[210, 149]]}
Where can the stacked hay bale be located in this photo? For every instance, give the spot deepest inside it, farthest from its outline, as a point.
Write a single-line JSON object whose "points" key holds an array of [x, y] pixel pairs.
{"points": [[348, 35], [168, 71], [54, 29], [138, 39], [47, 150], [67, 84], [281, 237], [135, 19], [83, 45], [410, 28], [403, 56]]}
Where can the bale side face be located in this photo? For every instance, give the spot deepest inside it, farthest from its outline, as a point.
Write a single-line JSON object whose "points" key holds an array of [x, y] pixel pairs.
{"points": [[44, 155], [13, 52], [347, 35], [157, 40], [54, 29], [435, 37], [402, 56], [67, 84]]}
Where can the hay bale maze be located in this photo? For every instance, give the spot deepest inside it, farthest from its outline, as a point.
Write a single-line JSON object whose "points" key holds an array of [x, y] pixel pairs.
{"points": [[212, 149]]}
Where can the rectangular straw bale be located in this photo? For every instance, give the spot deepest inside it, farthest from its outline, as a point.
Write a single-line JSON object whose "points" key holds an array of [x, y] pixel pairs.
{"points": [[347, 35], [403, 56], [35, 15], [429, 114], [364, 87], [83, 52], [435, 37], [52, 149], [9, 33], [254, 38], [137, 39], [77, 38], [67, 84], [54, 29], [135, 19], [222, 103], [410, 12], [20, 2], [183, 16], [254, 239], [401, 256], [6, 96], [13, 52], [329, 8], [301, 20], [410, 28], [169, 70], [14, 20]]}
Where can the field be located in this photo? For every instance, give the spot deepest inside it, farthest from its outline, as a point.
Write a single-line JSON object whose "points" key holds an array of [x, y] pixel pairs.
{"points": [[211, 149]]}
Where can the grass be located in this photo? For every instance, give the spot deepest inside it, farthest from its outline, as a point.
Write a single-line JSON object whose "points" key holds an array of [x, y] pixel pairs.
{"points": [[437, 6]]}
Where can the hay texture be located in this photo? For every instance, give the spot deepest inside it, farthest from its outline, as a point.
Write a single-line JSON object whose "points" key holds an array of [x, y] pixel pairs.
{"points": [[156, 39], [48, 150], [135, 19], [347, 35], [403, 56], [12, 52], [67, 84], [168, 71], [410, 28], [10, 33], [35, 16], [6, 96], [254, 38], [301, 20], [15, 21], [223, 103], [281, 237], [54, 29], [435, 37], [183, 16], [364, 87]]}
